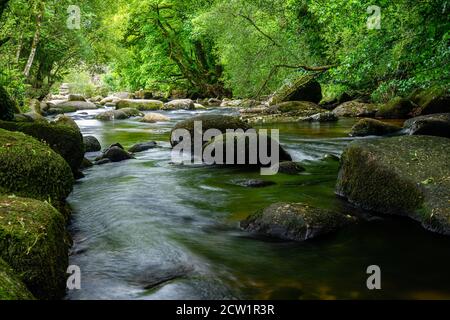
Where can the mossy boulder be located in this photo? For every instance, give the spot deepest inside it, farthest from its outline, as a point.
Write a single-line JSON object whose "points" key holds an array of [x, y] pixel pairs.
{"points": [[235, 140], [30, 168], [304, 88], [64, 140], [372, 127], [180, 104], [11, 287], [140, 104], [76, 97], [219, 122], [294, 221], [356, 109], [64, 120], [77, 105], [406, 175], [154, 118], [298, 108], [432, 125], [131, 112], [397, 108], [121, 114], [33, 241], [7, 106], [433, 100]]}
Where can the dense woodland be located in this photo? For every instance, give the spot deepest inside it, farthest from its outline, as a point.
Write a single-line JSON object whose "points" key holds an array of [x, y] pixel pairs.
{"points": [[215, 48]]}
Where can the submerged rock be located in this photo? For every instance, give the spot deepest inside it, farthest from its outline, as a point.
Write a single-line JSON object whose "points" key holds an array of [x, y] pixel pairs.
{"points": [[372, 127], [305, 88], [140, 147], [294, 221], [431, 125], [356, 109], [91, 144], [290, 167], [253, 183], [112, 115], [33, 241], [406, 175]]}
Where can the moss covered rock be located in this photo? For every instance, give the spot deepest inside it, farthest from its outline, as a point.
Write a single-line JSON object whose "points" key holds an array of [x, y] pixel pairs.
{"points": [[7, 106], [397, 108], [180, 104], [64, 140], [154, 117], [234, 140], [139, 104], [432, 125], [433, 100], [92, 144], [294, 221], [219, 122], [372, 127], [407, 175], [33, 241], [11, 287], [64, 120], [30, 168], [77, 105], [305, 88], [356, 109]]}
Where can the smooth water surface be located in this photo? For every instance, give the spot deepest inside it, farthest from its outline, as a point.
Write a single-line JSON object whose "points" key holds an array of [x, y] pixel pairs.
{"points": [[149, 229]]}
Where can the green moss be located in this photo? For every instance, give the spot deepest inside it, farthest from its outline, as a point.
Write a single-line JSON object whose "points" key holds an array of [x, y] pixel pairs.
{"points": [[30, 168], [432, 100], [372, 127], [397, 108], [142, 105], [11, 287], [387, 176], [33, 241], [7, 106], [64, 140]]}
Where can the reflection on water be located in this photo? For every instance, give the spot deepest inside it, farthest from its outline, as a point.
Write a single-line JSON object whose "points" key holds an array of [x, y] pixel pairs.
{"points": [[146, 229]]}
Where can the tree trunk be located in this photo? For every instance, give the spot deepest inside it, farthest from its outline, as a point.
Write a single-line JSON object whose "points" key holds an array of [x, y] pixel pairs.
{"points": [[35, 43]]}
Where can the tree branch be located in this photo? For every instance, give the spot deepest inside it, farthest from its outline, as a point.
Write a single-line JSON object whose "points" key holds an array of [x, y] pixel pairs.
{"points": [[304, 67]]}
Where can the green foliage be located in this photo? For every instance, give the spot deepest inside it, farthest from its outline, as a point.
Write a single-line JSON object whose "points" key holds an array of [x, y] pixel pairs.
{"points": [[209, 47]]}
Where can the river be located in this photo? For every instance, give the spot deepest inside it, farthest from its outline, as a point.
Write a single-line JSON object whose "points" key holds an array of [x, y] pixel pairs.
{"points": [[149, 229]]}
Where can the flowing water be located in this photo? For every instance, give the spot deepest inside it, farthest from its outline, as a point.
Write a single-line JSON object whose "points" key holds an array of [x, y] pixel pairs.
{"points": [[149, 229]]}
